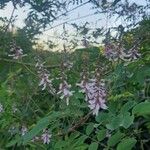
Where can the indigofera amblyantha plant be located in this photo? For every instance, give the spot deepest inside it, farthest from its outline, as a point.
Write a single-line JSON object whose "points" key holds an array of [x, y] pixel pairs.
{"points": [[64, 90], [44, 76], [84, 85], [97, 96], [64, 87], [16, 52], [95, 93]]}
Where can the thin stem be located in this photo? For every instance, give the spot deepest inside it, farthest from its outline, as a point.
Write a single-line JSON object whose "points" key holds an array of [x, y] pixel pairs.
{"points": [[27, 64], [10, 20]]}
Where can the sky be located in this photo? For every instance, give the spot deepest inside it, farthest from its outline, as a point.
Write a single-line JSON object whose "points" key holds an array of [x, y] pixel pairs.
{"points": [[56, 32], [95, 20]]}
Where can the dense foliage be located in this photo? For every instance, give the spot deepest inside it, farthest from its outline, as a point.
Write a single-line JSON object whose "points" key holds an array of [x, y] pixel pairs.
{"points": [[96, 97]]}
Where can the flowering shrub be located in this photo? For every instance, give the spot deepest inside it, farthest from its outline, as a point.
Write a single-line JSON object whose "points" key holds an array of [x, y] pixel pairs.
{"points": [[100, 111], [45, 106]]}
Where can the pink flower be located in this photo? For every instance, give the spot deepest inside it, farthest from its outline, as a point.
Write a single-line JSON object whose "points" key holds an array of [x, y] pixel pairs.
{"points": [[45, 80], [111, 52], [95, 94], [131, 55], [44, 75], [64, 90], [97, 97], [114, 52], [46, 137], [16, 52]]}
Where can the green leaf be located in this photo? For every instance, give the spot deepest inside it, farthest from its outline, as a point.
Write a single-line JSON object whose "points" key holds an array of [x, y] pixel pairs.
{"points": [[93, 146], [15, 140], [42, 124], [127, 106], [101, 134], [60, 144], [115, 122], [142, 73], [126, 144], [102, 117], [74, 135], [81, 147], [81, 140], [142, 108], [127, 120], [11, 143], [115, 138], [89, 128]]}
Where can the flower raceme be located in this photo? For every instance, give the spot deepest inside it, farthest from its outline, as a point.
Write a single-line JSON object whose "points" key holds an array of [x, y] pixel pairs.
{"points": [[44, 79], [131, 55], [16, 51], [113, 52], [64, 90], [44, 75], [95, 94], [46, 136]]}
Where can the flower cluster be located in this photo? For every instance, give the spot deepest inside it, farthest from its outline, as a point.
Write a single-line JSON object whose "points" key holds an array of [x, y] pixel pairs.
{"points": [[95, 94], [64, 90], [46, 136], [131, 55], [16, 51], [113, 52], [64, 87], [84, 85], [44, 77]]}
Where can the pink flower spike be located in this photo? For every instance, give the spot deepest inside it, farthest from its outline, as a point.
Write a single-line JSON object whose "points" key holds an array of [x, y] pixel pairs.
{"points": [[46, 137]]}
